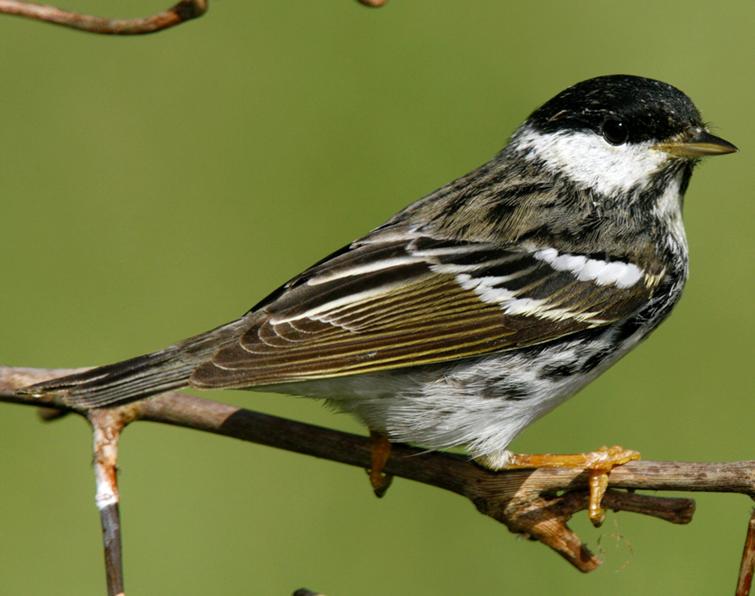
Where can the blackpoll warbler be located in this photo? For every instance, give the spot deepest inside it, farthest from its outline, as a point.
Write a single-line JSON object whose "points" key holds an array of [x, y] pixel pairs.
{"points": [[484, 305]]}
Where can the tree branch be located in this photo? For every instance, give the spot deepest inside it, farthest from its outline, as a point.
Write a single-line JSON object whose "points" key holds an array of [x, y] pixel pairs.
{"points": [[106, 429], [536, 503], [747, 568], [183, 11]]}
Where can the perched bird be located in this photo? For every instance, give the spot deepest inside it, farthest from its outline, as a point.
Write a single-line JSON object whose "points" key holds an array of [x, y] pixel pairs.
{"points": [[482, 306]]}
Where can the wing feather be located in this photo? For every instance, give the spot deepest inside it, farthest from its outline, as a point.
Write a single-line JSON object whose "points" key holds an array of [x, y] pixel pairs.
{"points": [[412, 301]]}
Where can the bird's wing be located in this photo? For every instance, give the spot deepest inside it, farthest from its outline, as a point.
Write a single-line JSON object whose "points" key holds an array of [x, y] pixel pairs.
{"points": [[379, 305]]}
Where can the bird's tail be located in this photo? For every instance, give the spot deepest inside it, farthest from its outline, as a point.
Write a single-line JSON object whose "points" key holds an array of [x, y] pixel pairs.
{"points": [[136, 378]]}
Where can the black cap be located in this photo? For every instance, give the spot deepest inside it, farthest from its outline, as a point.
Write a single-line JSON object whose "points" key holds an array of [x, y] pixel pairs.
{"points": [[637, 108]]}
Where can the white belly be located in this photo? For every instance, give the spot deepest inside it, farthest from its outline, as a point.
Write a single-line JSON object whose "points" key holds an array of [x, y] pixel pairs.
{"points": [[481, 403]]}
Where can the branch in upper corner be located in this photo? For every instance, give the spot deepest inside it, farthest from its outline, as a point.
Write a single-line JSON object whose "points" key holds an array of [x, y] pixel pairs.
{"points": [[183, 11]]}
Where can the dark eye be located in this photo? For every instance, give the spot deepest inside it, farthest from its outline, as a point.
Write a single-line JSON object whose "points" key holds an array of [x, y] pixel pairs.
{"points": [[615, 131]]}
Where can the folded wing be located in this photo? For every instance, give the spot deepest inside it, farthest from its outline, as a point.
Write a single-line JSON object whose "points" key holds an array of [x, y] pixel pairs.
{"points": [[389, 304]]}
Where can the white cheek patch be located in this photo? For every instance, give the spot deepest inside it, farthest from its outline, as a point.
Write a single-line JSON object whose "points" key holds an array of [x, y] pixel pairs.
{"points": [[587, 159], [603, 273]]}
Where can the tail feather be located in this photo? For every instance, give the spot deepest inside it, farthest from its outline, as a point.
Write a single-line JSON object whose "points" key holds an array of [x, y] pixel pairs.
{"points": [[136, 378]]}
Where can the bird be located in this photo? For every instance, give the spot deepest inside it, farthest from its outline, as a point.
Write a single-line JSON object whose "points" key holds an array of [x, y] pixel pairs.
{"points": [[482, 306]]}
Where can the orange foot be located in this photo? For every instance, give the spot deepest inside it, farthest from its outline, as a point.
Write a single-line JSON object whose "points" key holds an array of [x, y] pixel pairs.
{"points": [[598, 465], [380, 447]]}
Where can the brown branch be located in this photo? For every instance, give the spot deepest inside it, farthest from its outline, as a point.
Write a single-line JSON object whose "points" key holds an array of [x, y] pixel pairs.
{"points": [[747, 568], [183, 11], [106, 429], [536, 503]]}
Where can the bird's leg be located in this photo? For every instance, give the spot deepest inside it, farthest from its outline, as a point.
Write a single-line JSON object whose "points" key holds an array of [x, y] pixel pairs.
{"points": [[598, 465], [380, 448]]}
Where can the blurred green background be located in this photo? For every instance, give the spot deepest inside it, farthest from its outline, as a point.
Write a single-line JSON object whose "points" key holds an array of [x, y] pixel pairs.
{"points": [[155, 187]]}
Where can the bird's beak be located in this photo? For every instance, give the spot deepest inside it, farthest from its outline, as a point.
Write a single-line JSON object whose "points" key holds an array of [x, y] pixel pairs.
{"points": [[698, 144]]}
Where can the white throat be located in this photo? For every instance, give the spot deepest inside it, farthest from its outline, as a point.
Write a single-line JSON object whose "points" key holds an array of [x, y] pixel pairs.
{"points": [[588, 160]]}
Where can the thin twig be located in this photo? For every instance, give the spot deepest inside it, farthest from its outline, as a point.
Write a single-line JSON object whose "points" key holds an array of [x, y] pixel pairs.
{"points": [[530, 502], [747, 568], [106, 429], [183, 11]]}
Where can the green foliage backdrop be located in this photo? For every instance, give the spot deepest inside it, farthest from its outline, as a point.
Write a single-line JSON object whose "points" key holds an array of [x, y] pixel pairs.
{"points": [[155, 187]]}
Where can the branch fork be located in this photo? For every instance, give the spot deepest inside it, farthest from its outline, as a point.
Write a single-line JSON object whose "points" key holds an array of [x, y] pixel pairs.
{"points": [[106, 430], [535, 503]]}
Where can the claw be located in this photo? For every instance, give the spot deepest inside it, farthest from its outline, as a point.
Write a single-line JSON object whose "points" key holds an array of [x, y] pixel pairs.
{"points": [[381, 451], [598, 465]]}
